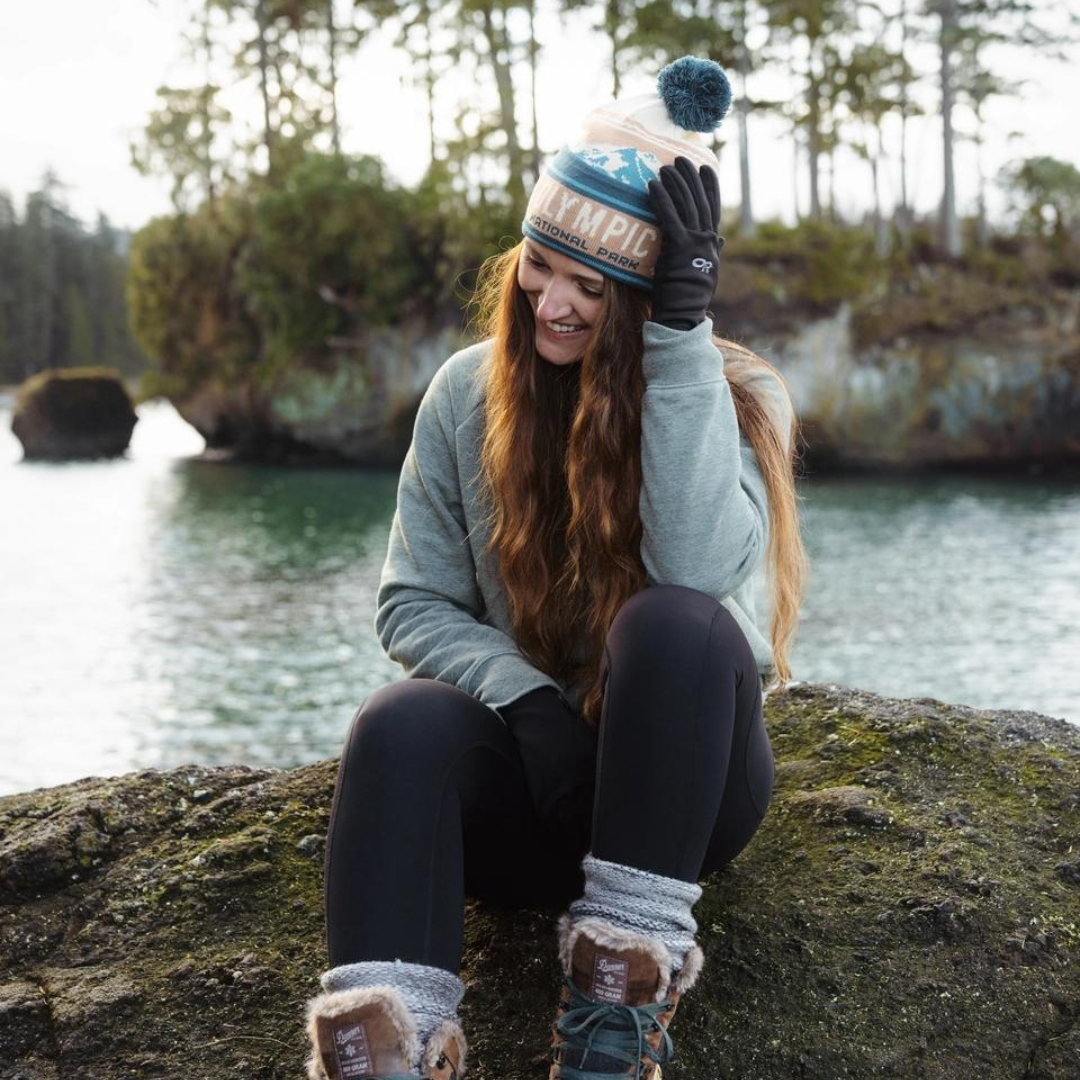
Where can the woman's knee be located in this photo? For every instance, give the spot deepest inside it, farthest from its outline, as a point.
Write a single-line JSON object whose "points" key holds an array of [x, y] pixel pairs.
{"points": [[411, 721], [675, 616]]}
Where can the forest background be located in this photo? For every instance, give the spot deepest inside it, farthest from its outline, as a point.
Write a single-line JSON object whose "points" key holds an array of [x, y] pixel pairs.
{"points": [[280, 245]]}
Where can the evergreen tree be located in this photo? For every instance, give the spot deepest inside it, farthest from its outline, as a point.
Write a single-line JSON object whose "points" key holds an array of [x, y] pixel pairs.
{"points": [[870, 88], [1044, 195], [977, 22], [812, 30], [61, 290]]}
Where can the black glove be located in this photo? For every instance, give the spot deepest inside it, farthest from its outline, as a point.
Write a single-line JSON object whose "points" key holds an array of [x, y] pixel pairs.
{"points": [[559, 752], [688, 206]]}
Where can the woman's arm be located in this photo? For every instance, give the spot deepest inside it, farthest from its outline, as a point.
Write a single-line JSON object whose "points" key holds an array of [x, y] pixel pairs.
{"points": [[427, 604], [703, 503]]}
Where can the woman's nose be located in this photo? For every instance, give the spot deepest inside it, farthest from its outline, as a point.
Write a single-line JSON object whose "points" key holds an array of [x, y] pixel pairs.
{"points": [[554, 301]]}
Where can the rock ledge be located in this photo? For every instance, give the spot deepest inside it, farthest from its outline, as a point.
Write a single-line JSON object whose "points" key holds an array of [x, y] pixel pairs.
{"points": [[909, 908]]}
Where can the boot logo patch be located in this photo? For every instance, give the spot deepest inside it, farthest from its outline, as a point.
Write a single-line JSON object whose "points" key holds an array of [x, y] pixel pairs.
{"points": [[609, 979], [351, 1047]]}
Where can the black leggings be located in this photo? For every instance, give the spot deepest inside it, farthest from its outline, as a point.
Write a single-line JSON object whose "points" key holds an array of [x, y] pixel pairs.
{"points": [[433, 799]]}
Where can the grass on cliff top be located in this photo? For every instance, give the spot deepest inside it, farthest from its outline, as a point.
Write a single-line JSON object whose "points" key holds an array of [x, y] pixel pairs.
{"points": [[785, 275]]}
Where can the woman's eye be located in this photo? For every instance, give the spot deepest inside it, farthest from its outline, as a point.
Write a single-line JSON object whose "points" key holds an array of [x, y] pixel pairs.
{"points": [[532, 260]]}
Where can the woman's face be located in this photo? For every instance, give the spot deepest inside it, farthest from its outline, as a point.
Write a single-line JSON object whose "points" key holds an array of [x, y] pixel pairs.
{"points": [[566, 297]]}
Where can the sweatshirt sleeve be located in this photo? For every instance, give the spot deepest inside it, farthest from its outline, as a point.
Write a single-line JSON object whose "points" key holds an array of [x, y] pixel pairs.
{"points": [[428, 606], [703, 504]]}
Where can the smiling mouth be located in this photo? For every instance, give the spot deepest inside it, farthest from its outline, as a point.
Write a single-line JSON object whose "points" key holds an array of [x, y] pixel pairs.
{"points": [[563, 329]]}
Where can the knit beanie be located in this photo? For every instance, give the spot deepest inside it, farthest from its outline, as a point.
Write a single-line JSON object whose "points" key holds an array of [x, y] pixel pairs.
{"points": [[592, 200]]}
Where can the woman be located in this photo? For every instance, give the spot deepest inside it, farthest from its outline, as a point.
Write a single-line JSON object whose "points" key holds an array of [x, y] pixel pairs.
{"points": [[569, 587]]}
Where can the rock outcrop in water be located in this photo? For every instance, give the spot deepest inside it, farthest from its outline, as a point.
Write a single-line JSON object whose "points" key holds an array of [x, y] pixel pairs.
{"points": [[345, 410], [940, 366], [1000, 395], [1004, 392], [909, 908], [72, 414]]}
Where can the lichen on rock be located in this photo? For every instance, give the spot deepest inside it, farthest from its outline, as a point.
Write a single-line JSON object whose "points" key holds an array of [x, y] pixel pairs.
{"points": [[910, 907]]}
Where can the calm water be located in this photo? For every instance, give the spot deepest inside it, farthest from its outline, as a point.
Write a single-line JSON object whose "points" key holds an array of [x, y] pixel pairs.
{"points": [[159, 610]]}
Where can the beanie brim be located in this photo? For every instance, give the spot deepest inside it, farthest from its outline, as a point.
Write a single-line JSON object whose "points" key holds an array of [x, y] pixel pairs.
{"points": [[602, 222], [627, 277]]}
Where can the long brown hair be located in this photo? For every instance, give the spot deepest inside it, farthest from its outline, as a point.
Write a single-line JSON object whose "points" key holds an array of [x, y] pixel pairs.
{"points": [[561, 467]]}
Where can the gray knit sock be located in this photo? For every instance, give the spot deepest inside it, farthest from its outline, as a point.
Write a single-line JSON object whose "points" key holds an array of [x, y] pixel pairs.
{"points": [[637, 900], [431, 994]]}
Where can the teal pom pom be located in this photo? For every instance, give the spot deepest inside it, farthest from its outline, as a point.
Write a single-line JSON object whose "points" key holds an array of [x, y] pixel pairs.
{"points": [[696, 92]]}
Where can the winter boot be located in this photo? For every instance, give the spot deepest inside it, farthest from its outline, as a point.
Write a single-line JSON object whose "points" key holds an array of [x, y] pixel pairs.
{"points": [[618, 998], [369, 1032]]}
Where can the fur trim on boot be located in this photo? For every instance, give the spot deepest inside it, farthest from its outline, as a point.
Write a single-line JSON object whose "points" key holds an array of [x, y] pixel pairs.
{"points": [[393, 1029], [445, 1050], [607, 936], [688, 974], [374, 1028]]}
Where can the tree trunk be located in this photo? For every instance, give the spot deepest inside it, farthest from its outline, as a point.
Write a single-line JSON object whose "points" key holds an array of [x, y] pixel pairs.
{"points": [[208, 105], [612, 20], [533, 50], [747, 225], [903, 215], [881, 233], [795, 172], [499, 50], [950, 226], [813, 139], [982, 226], [429, 79], [903, 211], [335, 130], [264, 85], [830, 157]]}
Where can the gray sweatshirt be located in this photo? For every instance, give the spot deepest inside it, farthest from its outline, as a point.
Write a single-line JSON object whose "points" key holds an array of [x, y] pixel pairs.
{"points": [[441, 609]]}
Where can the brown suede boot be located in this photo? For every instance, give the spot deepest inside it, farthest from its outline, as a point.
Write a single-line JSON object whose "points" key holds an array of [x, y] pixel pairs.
{"points": [[618, 998], [371, 1033]]}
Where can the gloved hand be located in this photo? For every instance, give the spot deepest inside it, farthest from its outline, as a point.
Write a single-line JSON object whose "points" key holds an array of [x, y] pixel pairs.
{"points": [[688, 206], [559, 752]]}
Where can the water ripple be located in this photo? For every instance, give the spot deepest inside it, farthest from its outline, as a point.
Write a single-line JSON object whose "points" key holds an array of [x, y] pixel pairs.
{"points": [[159, 610]]}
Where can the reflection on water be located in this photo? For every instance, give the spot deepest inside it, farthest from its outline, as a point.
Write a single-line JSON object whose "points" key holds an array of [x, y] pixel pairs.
{"points": [[263, 587], [159, 609], [966, 589]]}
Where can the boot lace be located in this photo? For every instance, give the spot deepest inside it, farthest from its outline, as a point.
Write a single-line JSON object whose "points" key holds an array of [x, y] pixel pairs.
{"points": [[615, 1035], [400, 1076]]}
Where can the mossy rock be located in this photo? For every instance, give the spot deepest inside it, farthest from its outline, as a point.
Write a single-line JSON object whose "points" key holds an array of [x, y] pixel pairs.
{"points": [[70, 414], [910, 907]]}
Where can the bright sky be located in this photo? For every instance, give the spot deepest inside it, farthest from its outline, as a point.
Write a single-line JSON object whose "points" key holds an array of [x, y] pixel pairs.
{"points": [[78, 80]]}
